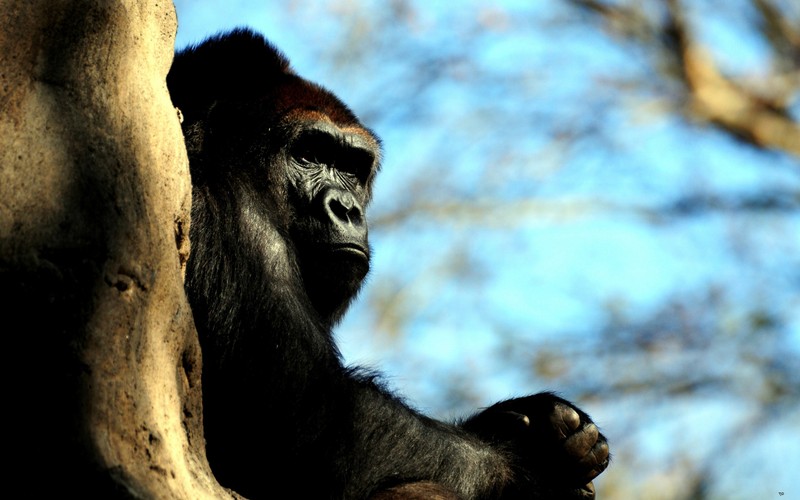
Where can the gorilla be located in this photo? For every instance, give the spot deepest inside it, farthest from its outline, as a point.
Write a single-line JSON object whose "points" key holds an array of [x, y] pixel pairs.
{"points": [[282, 174]]}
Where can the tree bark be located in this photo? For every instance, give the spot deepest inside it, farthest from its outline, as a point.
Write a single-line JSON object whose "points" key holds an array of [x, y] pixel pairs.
{"points": [[101, 355]]}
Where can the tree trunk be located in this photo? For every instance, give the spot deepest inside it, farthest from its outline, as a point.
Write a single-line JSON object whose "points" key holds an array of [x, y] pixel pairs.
{"points": [[102, 360]]}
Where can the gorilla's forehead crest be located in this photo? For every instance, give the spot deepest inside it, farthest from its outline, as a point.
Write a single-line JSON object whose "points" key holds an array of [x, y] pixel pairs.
{"points": [[245, 66]]}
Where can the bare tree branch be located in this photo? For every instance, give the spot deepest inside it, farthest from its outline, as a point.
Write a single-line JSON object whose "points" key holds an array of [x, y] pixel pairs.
{"points": [[758, 116], [725, 103]]}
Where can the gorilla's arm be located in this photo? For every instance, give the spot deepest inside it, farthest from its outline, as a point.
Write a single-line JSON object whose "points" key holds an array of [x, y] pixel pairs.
{"points": [[338, 423], [353, 436]]}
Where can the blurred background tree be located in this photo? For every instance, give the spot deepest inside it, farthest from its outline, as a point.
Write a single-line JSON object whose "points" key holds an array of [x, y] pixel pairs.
{"points": [[601, 198]]}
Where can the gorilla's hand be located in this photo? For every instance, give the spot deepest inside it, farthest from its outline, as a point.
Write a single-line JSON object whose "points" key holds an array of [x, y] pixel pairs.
{"points": [[555, 446]]}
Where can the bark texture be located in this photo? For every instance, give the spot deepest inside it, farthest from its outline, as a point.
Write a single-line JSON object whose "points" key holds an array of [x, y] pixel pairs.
{"points": [[102, 363]]}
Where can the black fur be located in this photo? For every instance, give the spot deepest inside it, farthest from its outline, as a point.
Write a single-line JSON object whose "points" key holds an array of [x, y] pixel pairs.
{"points": [[282, 174]]}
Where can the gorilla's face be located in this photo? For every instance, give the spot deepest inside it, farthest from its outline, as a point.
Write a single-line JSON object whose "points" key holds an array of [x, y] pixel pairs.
{"points": [[329, 169]]}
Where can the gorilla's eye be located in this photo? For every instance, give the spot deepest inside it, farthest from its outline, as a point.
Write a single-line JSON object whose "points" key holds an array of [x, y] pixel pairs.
{"points": [[317, 147], [356, 161], [314, 147]]}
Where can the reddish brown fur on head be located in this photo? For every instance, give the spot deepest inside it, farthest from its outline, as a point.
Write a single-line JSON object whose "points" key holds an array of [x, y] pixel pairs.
{"points": [[243, 66]]}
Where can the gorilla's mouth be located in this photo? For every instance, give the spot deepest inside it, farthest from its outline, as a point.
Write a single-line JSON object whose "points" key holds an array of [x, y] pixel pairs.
{"points": [[351, 250]]}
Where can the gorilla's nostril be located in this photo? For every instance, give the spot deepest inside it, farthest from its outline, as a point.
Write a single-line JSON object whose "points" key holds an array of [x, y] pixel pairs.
{"points": [[339, 209]]}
